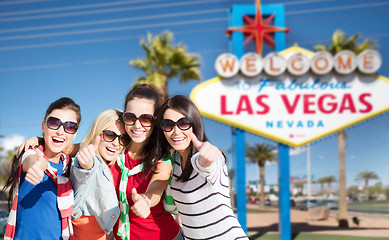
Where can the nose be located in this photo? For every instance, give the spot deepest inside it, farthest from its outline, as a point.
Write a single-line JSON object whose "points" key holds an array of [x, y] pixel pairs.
{"points": [[138, 124], [115, 142], [61, 129], [176, 129]]}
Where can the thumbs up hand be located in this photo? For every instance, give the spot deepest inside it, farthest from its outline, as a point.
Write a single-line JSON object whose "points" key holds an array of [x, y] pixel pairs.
{"points": [[141, 207], [208, 152], [87, 154], [36, 172]]}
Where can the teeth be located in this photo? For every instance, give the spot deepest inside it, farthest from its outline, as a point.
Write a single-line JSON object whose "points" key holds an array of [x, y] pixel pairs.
{"points": [[178, 139], [113, 150], [58, 139], [137, 132]]}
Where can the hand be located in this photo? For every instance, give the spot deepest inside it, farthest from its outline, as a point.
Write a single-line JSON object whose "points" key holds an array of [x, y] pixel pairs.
{"points": [[36, 172], [208, 152], [87, 154], [140, 207], [29, 143]]}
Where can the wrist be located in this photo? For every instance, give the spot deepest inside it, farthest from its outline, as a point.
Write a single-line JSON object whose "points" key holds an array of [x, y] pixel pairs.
{"points": [[147, 199]]}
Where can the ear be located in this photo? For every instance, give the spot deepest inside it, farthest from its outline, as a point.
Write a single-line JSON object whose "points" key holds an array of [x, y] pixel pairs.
{"points": [[43, 125]]}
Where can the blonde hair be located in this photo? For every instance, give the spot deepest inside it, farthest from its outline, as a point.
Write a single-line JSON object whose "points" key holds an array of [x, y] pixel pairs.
{"points": [[103, 121]]}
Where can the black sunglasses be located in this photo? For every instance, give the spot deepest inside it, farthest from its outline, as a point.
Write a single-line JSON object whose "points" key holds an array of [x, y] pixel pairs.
{"points": [[167, 125], [68, 126], [110, 136], [146, 120]]}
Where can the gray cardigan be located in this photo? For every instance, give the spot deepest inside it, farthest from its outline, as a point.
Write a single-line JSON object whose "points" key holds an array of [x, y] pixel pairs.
{"points": [[94, 194]]}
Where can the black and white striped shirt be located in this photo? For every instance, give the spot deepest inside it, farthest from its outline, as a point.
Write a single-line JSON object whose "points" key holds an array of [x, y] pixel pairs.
{"points": [[203, 202]]}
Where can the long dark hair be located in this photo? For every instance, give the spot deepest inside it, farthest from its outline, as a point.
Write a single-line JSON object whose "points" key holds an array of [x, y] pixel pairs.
{"points": [[62, 103], [147, 91], [185, 106]]}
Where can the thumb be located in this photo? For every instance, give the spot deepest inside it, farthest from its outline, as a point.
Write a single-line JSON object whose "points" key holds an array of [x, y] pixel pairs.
{"points": [[96, 142], [135, 195], [196, 142], [39, 155]]}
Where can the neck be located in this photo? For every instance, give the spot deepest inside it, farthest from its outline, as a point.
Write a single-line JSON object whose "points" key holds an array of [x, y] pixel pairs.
{"points": [[53, 157], [135, 150], [184, 157]]}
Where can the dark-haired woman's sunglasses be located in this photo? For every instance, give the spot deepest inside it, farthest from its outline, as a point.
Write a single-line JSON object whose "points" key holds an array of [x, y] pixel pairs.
{"points": [[146, 120], [54, 123], [110, 136], [167, 125]]}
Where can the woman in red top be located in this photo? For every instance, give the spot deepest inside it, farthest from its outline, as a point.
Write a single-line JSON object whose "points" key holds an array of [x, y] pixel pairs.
{"points": [[142, 172]]}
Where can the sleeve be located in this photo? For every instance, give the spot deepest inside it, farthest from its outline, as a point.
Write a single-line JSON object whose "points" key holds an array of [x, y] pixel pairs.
{"points": [[27, 153], [214, 173], [80, 174]]}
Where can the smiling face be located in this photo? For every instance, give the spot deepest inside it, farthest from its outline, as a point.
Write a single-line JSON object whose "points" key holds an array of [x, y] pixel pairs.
{"points": [[138, 106], [57, 140], [178, 139], [110, 150]]}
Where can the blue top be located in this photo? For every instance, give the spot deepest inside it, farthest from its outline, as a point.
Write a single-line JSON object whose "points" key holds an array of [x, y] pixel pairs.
{"points": [[37, 215]]}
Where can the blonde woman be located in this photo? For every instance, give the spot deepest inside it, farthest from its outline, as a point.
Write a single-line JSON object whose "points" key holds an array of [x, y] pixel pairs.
{"points": [[96, 207]]}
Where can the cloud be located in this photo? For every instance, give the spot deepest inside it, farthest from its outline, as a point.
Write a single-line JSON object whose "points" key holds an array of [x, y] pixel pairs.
{"points": [[386, 166], [9, 143], [297, 151]]}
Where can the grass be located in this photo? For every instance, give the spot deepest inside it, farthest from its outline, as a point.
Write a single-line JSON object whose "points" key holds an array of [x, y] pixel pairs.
{"points": [[255, 210], [308, 236]]}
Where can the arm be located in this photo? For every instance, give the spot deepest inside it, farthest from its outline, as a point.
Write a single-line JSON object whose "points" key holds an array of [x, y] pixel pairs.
{"points": [[208, 162], [33, 142], [35, 165], [154, 191], [85, 161]]}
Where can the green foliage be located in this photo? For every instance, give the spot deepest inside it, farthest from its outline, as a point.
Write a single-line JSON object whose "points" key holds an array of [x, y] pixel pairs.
{"points": [[340, 41], [163, 61], [353, 191], [261, 153]]}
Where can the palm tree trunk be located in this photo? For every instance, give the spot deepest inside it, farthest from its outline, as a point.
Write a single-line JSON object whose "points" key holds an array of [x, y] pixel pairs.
{"points": [[342, 204], [165, 90], [367, 189], [262, 196]]}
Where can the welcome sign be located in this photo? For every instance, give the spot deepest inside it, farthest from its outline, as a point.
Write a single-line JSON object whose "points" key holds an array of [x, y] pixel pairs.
{"points": [[290, 109]]}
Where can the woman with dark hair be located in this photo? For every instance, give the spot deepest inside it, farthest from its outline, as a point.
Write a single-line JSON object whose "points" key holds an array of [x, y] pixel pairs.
{"points": [[138, 171], [41, 190], [199, 186]]}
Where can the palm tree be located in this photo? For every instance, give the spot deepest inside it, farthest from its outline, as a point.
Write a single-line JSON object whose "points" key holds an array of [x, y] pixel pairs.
{"points": [[164, 61], [341, 42], [299, 186], [260, 154], [322, 181], [366, 176], [329, 181]]}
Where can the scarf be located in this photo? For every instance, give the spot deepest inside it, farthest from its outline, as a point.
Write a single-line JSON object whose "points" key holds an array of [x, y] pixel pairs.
{"points": [[168, 201], [124, 220], [65, 199]]}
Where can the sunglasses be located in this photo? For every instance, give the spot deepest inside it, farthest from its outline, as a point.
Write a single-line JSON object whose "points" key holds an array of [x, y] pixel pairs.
{"points": [[146, 120], [54, 123], [167, 125], [110, 136]]}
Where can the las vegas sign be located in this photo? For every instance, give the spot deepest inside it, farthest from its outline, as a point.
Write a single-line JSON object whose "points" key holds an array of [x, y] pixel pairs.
{"points": [[295, 96]]}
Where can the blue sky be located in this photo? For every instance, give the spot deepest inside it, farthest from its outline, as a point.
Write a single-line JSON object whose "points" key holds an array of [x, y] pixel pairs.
{"points": [[81, 49]]}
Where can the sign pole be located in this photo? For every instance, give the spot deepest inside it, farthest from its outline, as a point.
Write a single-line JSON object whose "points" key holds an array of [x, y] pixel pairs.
{"points": [[284, 195], [240, 173]]}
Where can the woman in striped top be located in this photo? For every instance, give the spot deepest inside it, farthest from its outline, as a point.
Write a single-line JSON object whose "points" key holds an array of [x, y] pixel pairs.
{"points": [[199, 187]]}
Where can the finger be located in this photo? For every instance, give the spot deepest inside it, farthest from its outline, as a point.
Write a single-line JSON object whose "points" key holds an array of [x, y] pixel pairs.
{"points": [[96, 142], [39, 154], [196, 142], [135, 195]]}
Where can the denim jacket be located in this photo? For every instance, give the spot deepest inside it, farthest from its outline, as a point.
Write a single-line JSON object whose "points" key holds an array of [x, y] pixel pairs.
{"points": [[95, 194]]}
